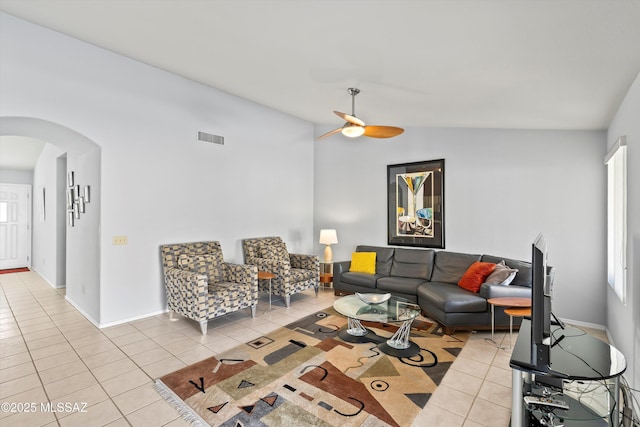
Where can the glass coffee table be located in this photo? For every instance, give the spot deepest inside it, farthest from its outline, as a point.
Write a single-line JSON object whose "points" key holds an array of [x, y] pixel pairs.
{"points": [[394, 310]]}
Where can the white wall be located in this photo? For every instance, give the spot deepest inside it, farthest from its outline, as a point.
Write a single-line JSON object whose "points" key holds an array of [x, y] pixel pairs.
{"points": [[623, 320], [158, 185], [12, 176], [84, 284], [502, 187], [52, 240], [44, 247]]}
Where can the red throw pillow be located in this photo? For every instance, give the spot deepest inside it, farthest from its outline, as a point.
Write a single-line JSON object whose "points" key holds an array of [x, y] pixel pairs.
{"points": [[474, 277]]}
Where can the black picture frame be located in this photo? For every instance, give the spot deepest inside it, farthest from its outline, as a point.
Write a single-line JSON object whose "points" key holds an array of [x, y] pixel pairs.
{"points": [[415, 204]]}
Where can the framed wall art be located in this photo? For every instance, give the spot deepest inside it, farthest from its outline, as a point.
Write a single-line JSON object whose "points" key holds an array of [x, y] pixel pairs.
{"points": [[415, 203]]}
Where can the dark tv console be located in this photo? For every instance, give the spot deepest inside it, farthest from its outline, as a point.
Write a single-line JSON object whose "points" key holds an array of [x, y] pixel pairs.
{"points": [[573, 355]]}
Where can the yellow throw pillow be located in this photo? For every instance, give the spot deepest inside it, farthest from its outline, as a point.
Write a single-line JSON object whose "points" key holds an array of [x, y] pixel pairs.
{"points": [[363, 262]]}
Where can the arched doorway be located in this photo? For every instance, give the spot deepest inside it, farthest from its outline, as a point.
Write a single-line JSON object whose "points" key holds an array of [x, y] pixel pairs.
{"points": [[76, 249]]}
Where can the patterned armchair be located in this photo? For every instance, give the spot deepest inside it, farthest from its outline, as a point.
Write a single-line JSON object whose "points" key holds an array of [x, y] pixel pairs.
{"points": [[294, 272], [201, 286]]}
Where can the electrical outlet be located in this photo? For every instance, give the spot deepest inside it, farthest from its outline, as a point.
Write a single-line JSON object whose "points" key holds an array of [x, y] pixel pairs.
{"points": [[120, 240]]}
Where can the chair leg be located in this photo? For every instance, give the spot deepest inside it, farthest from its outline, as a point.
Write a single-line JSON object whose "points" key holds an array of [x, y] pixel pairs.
{"points": [[203, 327], [253, 311], [287, 300], [172, 315], [317, 288]]}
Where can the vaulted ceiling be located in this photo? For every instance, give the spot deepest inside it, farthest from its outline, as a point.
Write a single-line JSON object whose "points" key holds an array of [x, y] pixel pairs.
{"points": [[523, 64]]}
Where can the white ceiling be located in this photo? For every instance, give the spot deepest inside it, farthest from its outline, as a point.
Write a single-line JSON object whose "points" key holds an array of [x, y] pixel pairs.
{"points": [[19, 152], [528, 64]]}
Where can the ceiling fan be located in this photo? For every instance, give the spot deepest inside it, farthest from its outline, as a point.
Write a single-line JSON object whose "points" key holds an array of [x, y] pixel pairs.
{"points": [[354, 127]]}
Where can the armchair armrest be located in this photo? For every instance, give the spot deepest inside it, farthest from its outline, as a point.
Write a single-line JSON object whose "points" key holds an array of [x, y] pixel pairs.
{"points": [[306, 262], [243, 274], [280, 268], [187, 293], [239, 273]]}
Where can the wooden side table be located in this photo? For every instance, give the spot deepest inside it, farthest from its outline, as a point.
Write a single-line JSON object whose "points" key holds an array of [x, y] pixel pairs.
{"points": [[265, 275], [326, 273], [326, 278], [505, 302], [518, 312]]}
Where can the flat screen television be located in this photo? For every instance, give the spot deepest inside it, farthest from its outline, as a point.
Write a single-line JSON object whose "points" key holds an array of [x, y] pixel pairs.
{"points": [[540, 306]]}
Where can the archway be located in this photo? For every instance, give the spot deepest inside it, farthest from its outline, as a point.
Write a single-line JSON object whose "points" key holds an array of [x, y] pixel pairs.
{"points": [[81, 242]]}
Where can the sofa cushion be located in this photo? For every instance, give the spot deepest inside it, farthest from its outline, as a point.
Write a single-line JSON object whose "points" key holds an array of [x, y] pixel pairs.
{"points": [[400, 285], [363, 262], [450, 298], [412, 263], [449, 267], [384, 257], [475, 275], [207, 264], [502, 275], [360, 279], [523, 277]]}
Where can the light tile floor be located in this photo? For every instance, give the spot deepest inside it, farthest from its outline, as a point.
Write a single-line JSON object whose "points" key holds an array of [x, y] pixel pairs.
{"points": [[50, 353]]}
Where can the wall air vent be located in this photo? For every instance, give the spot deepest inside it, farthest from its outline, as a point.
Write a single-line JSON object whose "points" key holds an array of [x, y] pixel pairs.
{"points": [[208, 137]]}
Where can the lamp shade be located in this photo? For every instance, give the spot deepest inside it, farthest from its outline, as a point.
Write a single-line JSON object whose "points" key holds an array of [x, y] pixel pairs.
{"points": [[328, 237]]}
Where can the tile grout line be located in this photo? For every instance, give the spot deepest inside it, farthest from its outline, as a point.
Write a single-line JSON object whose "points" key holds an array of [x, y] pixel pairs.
{"points": [[25, 341], [75, 351]]}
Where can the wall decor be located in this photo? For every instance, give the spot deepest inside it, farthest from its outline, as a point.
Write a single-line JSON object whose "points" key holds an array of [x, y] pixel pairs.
{"points": [[415, 204], [43, 203], [76, 199]]}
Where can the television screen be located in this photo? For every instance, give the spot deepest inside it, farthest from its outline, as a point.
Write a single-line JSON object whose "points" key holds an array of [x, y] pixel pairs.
{"points": [[540, 306]]}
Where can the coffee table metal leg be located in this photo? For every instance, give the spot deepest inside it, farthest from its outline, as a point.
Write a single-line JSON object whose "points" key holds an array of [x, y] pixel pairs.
{"points": [[356, 333], [400, 340], [355, 328], [399, 344]]}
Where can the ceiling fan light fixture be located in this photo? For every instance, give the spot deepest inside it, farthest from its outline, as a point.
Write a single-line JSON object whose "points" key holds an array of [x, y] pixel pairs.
{"points": [[352, 130], [355, 127]]}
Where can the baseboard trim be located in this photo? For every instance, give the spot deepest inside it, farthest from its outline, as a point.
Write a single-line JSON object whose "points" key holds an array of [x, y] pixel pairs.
{"points": [[81, 311], [585, 324], [45, 279], [131, 319]]}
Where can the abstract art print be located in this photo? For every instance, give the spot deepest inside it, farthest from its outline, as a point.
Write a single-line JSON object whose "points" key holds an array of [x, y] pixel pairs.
{"points": [[415, 203]]}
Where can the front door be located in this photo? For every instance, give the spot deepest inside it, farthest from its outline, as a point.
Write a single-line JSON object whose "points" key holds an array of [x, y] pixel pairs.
{"points": [[15, 227]]}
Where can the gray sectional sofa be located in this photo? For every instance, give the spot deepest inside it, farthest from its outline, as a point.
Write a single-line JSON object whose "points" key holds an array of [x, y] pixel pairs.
{"points": [[430, 279]]}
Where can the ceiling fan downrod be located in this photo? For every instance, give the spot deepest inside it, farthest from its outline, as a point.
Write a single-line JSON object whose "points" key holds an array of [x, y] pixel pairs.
{"points": [[353, 92]]}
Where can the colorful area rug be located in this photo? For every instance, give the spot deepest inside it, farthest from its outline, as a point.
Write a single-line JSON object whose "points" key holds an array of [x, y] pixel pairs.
{"points": [[14, 270], [304, 375]]}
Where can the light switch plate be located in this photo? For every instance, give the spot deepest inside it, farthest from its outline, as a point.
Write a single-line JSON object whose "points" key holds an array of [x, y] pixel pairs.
{"points": [[120, 240]]}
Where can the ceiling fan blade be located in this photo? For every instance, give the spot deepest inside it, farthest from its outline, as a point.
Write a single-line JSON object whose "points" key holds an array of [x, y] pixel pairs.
{"points": [[328, 134], [350, 119], [382, 131]]}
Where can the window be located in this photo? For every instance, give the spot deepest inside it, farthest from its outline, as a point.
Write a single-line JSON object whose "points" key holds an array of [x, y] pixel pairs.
{"points": [[616, 161]]}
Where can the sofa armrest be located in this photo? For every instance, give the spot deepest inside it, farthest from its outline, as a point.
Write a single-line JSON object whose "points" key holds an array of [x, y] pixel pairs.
{"points": [[306, 262], [187, 293], [499, 291], [339, 268]]}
